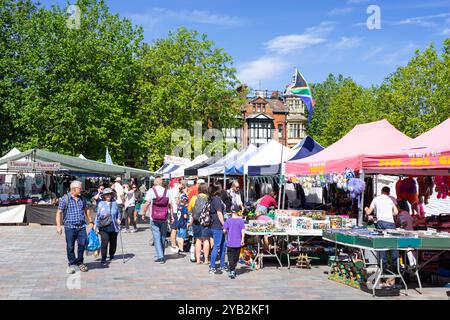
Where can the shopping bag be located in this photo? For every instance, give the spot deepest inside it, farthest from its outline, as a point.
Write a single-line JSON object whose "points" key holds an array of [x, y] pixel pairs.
{"points": [[93, 241]]}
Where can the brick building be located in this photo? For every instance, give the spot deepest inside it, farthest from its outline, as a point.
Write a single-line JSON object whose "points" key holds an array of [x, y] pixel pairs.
{"points": [[264, 116]]}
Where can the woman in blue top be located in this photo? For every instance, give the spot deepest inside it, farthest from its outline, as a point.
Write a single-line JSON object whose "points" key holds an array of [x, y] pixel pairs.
{"points": [[107, 221]]}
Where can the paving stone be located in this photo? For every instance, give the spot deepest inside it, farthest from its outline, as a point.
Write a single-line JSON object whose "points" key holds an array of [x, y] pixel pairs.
{"points": [[33, 265]]}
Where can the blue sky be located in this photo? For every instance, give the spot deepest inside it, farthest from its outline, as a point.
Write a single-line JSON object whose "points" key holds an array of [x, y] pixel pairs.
{"points": [[268, 39]]}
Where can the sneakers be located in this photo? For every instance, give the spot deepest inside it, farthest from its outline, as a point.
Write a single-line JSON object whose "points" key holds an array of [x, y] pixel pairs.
{"points": [[125, 231], [232, 275], [225, 269], [83, 267], [174, 249], [111, 258], [212, 271], [133, 230], [161, 261], [71, 270]]}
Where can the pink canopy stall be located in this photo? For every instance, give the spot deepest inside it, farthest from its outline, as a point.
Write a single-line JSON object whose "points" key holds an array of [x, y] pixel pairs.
{"points": [[375, 138], [428, 154]]}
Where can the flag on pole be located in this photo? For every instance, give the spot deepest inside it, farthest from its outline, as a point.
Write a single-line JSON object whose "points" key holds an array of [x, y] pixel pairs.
{"points": [[108, 159], [300, 87]]}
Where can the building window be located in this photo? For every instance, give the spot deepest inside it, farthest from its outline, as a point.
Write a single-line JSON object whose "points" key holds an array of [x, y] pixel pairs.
{"points": [[264, 108], [254, 107], [280, 131], [259, 107], [295, 131]]}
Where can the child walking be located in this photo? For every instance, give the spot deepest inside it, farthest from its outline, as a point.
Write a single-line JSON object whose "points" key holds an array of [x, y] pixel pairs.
{"points": [[182, 222], [234, 228]]}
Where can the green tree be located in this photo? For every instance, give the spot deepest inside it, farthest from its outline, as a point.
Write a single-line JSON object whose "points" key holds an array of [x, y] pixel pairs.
{"points": [[186, 79], [79, 85], [416, 97], [323, 93]]}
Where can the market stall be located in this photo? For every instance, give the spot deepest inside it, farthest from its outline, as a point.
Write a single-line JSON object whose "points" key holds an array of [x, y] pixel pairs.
{"points": [[39, 178], [375, 241], [288, 224], [305, 148], [219, 166]]}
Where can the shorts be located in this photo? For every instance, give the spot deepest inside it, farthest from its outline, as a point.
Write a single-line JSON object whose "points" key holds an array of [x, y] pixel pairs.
{"points": [[201, 232], [181, 233], [261, 209]]}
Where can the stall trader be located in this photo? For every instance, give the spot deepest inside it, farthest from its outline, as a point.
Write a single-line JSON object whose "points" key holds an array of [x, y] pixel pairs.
{"points": [[385, 209]]}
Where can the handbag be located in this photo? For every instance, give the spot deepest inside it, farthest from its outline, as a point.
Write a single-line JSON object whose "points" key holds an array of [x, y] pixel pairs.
{"points": [[106, 220]]}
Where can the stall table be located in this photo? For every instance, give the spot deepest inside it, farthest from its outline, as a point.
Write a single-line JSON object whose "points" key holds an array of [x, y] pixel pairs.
{"points": [[376, 244], [260, 251]]}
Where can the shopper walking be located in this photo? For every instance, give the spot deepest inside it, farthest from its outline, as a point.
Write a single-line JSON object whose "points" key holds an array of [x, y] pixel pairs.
{"points": [[130, 205], [201, 234], [182, 222], [73, 213], [107, 222], [217, 208], [234, 228], [157, 198]]}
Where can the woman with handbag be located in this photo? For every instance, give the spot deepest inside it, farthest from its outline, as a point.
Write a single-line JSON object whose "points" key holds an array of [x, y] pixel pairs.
{"points": [[107, 221]]}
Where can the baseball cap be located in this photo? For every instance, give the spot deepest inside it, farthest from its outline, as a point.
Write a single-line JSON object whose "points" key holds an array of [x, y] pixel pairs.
{"points": [[184, 197]]}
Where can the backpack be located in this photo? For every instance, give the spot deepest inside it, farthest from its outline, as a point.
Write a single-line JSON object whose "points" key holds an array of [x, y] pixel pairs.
{"points": [[201, 204], [205, 216], [160, 207]]}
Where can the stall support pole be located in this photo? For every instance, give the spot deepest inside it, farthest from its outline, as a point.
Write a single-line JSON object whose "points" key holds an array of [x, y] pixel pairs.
{"points": [[224, 180], [209, 181], [284, 194], [248, 186], [245, 190], [279, 192], [361, 210]]}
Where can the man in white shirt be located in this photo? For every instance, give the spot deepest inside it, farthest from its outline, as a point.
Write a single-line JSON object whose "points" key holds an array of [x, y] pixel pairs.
{"points": [[385, 209], [120, 194], [236, 201]]}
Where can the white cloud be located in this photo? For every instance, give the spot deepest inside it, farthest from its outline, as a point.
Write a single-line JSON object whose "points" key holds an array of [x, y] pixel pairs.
{"points": [[157, 15], [398, 57], [423, 21], [264, 68], [445, 32], [346, 43], [312, 36], [374, 52], [340, 11]]}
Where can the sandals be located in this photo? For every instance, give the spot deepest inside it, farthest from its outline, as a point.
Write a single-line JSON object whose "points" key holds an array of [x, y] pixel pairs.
{"points": [[83, 268]]}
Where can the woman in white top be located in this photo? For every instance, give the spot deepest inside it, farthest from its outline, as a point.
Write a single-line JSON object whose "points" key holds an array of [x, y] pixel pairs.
{"points": [[130, 205]]}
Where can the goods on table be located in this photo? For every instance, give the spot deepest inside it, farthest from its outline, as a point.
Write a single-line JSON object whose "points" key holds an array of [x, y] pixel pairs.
{"points": [[389, 239], [301, 220], [261, 226]]}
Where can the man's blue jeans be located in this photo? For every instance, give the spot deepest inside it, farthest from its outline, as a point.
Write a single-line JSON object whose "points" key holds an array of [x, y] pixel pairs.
{"points": [[73, 235], [219, 243], [383, 225], [159, 231]]}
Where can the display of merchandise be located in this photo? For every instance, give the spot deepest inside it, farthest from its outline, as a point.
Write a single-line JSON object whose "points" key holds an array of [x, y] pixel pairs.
{"points": [[247, 256], [389, 239], [262, 226], [348, 272], [439, 222]]}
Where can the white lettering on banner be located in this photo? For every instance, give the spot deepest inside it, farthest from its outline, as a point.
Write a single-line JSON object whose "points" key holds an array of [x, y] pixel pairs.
{"points": [[47, 166], [20, 165]]}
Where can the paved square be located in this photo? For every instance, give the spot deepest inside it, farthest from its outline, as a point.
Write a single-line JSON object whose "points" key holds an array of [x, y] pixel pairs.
{"points": [[33, 265]]}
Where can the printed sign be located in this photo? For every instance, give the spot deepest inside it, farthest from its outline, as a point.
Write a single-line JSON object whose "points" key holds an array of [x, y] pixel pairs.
{"points": [[47, 166], [176, 160], [20, 165]]}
